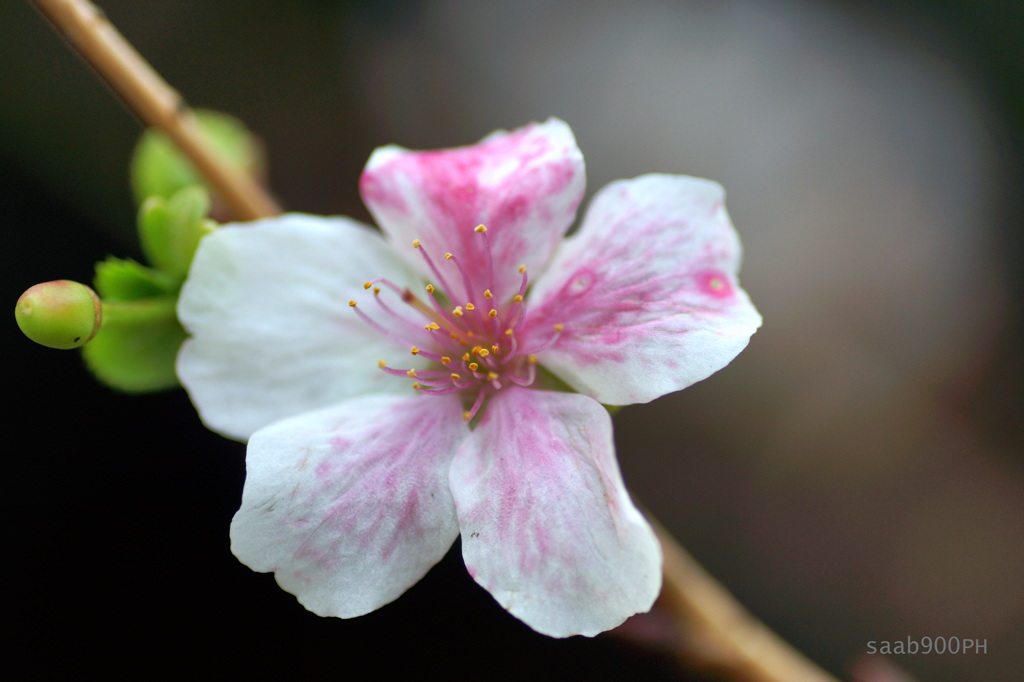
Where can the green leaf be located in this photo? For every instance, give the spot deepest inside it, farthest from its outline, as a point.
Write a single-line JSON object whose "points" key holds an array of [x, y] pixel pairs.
{"points": [[159, 169], [170, 230], [136, 348], [119, 279]]}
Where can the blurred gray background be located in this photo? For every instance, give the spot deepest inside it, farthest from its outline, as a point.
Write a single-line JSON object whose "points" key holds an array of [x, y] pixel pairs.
{"points": [[855, 475]]}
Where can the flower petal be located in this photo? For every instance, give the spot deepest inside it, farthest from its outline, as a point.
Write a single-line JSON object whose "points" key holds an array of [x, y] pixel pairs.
{"points": [[524, 185], [647, 292], [272, 332], [349, 506], [547, 525]]}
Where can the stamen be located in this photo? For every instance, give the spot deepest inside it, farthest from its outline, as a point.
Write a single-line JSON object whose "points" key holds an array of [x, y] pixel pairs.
{"points": [[488, 294], [414, 350], [445, 359], [488, 259], [476, 406], [367, 285], [492, 313], [411, 373]]}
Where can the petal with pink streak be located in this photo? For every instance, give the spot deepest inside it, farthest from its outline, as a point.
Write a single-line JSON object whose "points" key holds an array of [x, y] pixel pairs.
{"points": [[349, 506], [547, 525], [266, 304], [524, 186], [647, 291]]}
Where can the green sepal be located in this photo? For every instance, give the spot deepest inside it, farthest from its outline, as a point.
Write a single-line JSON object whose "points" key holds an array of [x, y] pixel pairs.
{"points": [[159, 169], [136, 348], [170, 230], [120, 279]]}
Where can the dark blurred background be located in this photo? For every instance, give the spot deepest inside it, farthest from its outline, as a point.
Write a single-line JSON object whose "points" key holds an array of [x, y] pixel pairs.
{"points": [[856, 474]]}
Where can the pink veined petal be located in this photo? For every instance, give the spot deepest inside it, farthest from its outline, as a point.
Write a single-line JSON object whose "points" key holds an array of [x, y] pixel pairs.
{"points": [[647, 291], [547, 525], [524, 186], [266, 304], [349, 506]]}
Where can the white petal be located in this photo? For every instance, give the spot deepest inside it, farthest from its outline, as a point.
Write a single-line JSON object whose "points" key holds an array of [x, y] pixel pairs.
{"points": [[647, 292], [547, 525], [273, 335], [349, 506]]}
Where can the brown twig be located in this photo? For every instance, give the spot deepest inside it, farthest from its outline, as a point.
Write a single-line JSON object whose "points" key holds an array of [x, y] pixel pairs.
{"points": [[719, 633], [154, 101]]}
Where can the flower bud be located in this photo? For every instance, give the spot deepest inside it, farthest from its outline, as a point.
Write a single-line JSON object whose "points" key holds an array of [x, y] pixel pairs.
{"points": [[59, 314]]}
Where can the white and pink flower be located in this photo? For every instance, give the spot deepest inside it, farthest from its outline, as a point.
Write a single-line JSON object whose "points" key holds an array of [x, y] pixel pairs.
{"points": [[400, 390]]}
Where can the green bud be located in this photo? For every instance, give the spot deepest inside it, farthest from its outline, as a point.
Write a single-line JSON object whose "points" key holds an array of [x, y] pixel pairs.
{"points": [[170, 229], [59, 314]]}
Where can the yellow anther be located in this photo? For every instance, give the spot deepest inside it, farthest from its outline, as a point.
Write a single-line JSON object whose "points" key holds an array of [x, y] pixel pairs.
{"points": [[473, 367], [492, 375], [430, 288], [492, 313], [480, 229], [455, 336], [455, 377], [532, 359], [470, 306], [382, 364], [458, 311], [352, 303], [465, 357], [465, 415], [495, 349], [522, 269], [445, 359], [367, 285], [416, 386], [483, 352], [433, 326], [411, 373], [376, 291], [509, 332], [517, 298], [488, 294], [559, 326], [448, 256], [475, 350], [415, 243], [414, 350]]}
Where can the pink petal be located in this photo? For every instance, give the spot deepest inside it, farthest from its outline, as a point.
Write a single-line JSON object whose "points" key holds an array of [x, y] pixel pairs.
{"points": [[350, 506], [272, 333], [547, 525], [647, 292], [524, 186]]}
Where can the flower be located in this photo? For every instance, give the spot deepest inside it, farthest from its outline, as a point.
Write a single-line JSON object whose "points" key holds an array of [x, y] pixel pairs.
{"points": [[307, 333]]}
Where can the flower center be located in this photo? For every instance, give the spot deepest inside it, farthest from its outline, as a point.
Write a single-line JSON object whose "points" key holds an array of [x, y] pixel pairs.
{"points": [[474, 336]]}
